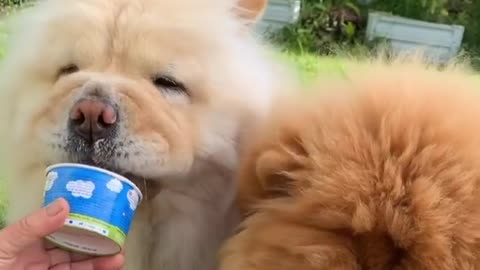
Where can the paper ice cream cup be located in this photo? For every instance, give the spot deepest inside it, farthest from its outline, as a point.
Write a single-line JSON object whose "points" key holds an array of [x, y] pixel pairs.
{"points": [[102, 207]]}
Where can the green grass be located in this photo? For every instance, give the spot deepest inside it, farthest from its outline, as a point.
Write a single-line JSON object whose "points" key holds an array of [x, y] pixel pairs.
{"points": [[310, 66], [3, 37], [3, 204]]}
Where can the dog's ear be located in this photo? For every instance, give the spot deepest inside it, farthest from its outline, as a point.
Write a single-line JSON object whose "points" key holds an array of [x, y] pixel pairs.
{"points": [[267, 171], [261, 177], [250, 10], [271, 169]]}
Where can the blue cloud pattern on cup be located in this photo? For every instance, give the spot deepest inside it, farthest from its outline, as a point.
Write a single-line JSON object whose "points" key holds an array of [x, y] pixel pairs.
{"points": [[115, 185], [133, 199], [101, 202], [80, 188], [51, 177]]}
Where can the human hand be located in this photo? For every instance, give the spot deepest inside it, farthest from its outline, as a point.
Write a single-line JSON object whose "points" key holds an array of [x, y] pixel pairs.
{"points": [[22, 246]]}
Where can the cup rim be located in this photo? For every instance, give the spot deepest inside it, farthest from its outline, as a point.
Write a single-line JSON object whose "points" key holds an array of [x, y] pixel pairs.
{"points": [[89, 167]]}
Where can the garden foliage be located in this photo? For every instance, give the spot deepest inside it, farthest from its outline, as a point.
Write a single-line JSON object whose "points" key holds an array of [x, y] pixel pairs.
{"points": [[326, 25]]}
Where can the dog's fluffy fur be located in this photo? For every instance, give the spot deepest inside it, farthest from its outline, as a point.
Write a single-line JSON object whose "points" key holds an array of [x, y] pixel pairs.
{"points": [[380, 171], [181, 148]]}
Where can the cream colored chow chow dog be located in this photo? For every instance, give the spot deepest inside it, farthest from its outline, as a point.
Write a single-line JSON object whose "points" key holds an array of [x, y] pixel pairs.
{"points": [[158, 90]]}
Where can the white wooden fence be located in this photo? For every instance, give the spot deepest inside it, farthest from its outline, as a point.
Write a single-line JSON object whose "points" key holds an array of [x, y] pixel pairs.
{"points": [[438, 42], [278, 14]]}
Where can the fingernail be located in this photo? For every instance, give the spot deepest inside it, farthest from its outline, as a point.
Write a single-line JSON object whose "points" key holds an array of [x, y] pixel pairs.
{"points": [[54, 208]]}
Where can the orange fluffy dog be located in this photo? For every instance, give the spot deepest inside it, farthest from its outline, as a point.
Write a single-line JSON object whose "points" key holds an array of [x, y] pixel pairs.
{"points": [[382, 171], [160, 91]]}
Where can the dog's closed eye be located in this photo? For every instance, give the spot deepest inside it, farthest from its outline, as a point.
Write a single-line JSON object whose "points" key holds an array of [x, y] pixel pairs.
{"points": [[68, 69], [168, 83], [172, 89]]}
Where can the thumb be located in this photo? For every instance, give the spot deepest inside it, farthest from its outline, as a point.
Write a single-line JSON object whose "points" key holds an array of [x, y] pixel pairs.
{"points": [[32, 228]]}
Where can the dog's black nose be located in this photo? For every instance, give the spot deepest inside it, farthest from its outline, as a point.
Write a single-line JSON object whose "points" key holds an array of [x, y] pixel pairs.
{"points": [[92, 119]]}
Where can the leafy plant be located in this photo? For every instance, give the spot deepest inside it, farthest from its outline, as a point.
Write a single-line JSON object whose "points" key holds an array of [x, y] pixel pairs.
{"points": [[322, 23], [8, 6], [429, 10]]}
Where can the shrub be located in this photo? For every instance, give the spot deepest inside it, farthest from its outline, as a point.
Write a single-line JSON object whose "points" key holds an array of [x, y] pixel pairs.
{"points": [[429, 10], [7, 6], [323, 25]]}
